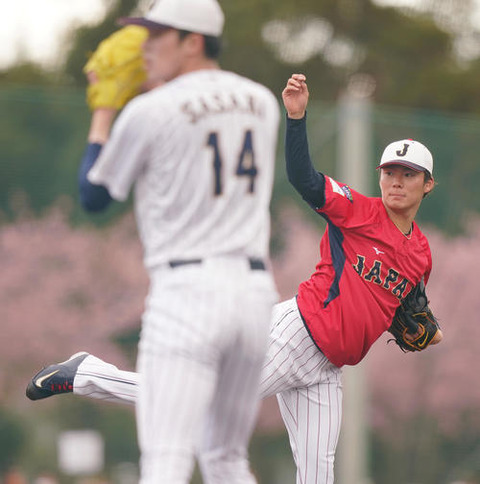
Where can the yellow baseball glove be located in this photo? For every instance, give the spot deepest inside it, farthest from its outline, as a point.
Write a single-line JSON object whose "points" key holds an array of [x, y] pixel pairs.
{"points": [[117, 69]]}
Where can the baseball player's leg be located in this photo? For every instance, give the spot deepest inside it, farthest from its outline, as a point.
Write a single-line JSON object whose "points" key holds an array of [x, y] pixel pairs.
{"points": [[174, 394], [98, 379], [85, 375], [312, 416], [292, 358], [186, 334], [224, 445], [308, 389], [223, 452], [177, 368]]}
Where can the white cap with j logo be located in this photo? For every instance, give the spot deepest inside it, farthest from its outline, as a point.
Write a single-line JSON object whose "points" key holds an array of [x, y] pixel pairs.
{"points": [[409, 153]]}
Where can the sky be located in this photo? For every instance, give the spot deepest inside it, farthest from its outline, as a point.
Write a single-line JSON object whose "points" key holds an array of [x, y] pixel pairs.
{"points": [[35, 30]]}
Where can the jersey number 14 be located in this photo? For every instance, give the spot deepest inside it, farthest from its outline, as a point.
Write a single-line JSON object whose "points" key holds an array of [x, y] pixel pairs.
{"points": [[245, 165]]}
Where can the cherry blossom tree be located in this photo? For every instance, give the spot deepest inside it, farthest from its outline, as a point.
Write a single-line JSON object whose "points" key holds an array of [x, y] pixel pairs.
{"points": [[65, 289]]}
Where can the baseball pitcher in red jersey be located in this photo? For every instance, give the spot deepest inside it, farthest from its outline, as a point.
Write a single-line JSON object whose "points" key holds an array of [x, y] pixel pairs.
{"points": [[371, 255]]}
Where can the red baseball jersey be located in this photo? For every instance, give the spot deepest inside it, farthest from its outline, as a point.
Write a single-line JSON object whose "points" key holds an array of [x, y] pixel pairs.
{"points": [[366, 266]]}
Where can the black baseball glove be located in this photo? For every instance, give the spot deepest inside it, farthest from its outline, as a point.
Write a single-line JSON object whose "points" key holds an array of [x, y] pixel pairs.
{"points": [[414, 326]]}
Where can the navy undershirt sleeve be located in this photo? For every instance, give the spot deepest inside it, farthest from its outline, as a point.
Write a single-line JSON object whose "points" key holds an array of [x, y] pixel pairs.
{"points": [[93, 198], [308, 182]]}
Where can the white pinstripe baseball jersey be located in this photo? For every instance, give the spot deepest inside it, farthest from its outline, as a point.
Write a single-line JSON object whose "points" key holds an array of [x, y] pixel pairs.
{"points": [[201, 151]]}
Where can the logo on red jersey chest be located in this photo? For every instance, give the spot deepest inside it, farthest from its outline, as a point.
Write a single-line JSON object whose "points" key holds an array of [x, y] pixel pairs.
{"points": [[377, 273]]}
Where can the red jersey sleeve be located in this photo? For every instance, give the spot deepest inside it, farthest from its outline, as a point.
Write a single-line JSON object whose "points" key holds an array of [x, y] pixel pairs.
{"points": [[345, 207]]}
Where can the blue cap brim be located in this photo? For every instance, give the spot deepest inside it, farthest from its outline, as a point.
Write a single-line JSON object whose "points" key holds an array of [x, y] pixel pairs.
{"points": [[407, 164], [143, 22]]}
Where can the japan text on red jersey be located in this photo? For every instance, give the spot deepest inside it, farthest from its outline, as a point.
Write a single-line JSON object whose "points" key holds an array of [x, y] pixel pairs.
{"points": [[366, 266]]}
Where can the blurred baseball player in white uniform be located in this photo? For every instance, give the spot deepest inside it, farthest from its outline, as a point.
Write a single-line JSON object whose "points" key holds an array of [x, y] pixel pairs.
{"points": [[200, 153]]}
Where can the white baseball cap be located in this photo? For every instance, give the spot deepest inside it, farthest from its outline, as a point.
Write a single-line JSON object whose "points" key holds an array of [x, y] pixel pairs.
{"points": [[409, 153], [199, 16]]}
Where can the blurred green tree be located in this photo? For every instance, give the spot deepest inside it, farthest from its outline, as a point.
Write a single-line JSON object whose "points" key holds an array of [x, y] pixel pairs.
{"points": [[412, 56], [85, 39], [12, 440]]}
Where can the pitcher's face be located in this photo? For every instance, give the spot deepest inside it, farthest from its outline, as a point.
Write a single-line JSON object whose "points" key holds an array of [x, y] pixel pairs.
{"points": [[403, 188], [163, 55]]}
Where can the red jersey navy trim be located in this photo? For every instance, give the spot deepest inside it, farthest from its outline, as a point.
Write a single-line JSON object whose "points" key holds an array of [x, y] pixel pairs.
{"points": [[335, 238], [306, 326]]}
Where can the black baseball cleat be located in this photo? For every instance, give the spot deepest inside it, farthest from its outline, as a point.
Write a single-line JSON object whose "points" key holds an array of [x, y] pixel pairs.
{"points": [[55, 379]]}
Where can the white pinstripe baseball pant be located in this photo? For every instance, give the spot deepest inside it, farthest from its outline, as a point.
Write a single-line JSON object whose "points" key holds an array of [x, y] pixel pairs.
{"points": [[309, 394], [307, 385]]}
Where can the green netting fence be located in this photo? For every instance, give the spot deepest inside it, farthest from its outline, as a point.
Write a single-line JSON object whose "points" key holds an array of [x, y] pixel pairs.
{"points": [[43, 131]]}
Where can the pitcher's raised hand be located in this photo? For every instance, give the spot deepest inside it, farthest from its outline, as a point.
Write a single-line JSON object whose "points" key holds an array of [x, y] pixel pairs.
{"points": [[295, 96]]}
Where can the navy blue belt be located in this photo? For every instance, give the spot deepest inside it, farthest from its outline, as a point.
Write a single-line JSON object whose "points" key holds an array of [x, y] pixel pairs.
{"points": [[255, 264]]}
